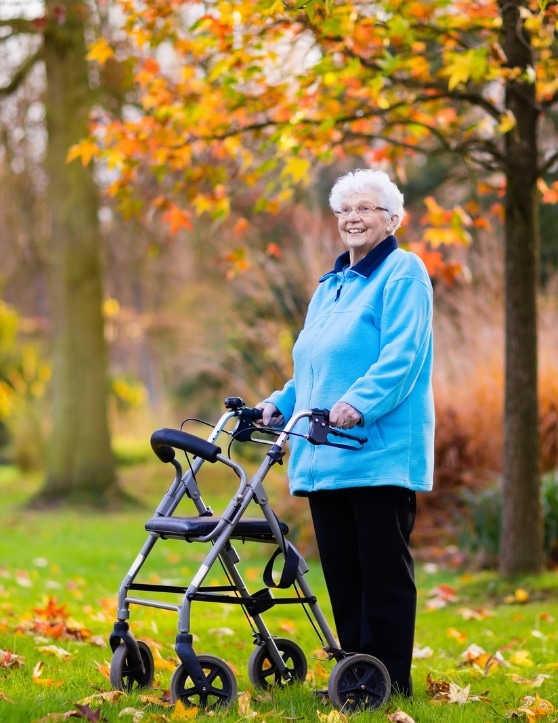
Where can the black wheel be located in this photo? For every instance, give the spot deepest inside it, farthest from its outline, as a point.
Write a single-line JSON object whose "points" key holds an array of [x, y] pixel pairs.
{"points": [[264, 673], [122, 673], [359, 681], [222, 685]]}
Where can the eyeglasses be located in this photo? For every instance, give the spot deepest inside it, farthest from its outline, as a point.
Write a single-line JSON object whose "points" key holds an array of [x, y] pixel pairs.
{"points": [[362, 211]]}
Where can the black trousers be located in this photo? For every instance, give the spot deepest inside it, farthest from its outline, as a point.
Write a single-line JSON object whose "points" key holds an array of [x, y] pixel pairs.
{"points": [[363, 539]]}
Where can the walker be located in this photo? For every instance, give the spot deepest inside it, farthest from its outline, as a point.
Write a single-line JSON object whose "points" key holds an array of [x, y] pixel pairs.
{"points": [[357, 680]]}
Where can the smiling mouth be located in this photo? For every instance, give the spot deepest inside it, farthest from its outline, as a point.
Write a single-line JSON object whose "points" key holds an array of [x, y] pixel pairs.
{"points": [[353, 231]]}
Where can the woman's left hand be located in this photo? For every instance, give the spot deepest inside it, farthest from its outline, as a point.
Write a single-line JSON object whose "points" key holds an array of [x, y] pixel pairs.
{"points": [[344, 416]]}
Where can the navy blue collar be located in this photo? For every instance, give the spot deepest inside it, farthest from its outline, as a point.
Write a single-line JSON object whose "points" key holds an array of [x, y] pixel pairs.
{"points": [[371, 261]]}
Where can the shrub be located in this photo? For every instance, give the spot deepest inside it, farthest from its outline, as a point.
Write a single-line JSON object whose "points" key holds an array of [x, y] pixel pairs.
{"points": [[480, 535]]}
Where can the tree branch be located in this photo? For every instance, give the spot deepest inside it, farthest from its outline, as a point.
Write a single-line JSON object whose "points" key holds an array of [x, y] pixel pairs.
{"points": [[549, 163], [20, 26], [21, 73]]}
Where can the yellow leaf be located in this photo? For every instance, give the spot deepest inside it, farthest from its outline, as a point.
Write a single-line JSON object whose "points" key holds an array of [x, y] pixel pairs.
{"points": [[333, 716], [522, 658], [521, 595], [507, 122], [470, 65], [181, 712], [85, 149], [297, 168], [100, 51]]}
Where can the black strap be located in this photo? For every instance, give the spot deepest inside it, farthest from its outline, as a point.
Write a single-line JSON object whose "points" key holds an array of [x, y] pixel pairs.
{"points": [[290, 568]]}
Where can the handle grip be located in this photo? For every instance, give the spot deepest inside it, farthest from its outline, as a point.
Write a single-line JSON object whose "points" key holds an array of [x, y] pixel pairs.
{"points": [[165, 441]]}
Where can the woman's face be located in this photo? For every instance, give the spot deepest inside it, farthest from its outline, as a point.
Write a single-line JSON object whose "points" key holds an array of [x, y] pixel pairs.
{"points": [[362, 232]]}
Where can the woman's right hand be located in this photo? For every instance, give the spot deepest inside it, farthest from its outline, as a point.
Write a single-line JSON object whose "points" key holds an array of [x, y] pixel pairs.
{"points": [[271, 416]]}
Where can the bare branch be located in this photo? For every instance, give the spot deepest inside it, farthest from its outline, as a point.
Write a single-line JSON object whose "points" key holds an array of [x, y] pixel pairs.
{"points": [[21, 73], [21, 26], [547, 166]]}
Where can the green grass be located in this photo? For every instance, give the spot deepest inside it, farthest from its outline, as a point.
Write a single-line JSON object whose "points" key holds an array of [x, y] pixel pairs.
{"points": [[79, 559]]}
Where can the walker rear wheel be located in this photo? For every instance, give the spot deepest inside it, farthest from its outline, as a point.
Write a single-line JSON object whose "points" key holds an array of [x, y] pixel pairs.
{"points": [[222, 685], [359, 682], [264, 672], [123, 675]]}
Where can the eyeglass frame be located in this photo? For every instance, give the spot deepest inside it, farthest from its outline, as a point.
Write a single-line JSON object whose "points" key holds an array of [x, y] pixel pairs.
{"points": [[373, 208]]}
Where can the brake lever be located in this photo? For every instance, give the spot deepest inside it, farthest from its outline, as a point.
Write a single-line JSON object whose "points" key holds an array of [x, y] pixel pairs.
{"points": [[319, 431], [245, 427]]}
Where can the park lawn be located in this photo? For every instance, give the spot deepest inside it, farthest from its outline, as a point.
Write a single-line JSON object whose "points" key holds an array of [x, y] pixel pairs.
{"points": [[486, 649]]}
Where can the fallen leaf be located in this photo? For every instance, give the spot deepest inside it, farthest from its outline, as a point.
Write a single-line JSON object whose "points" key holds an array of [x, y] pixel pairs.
{"points": [[422, 653], [181, 712], [531, 682], [47, 682], [58, 653], [10, 660], [334, 716], [522, 658], [106, 696], [400, 717], [244, 705]]}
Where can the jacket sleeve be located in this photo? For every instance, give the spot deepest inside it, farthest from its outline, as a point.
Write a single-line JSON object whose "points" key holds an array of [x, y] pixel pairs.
{"points": [[284, 399]]}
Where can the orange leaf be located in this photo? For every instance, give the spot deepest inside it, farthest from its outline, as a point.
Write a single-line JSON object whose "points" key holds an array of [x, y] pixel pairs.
{"points": [[177, 218]]}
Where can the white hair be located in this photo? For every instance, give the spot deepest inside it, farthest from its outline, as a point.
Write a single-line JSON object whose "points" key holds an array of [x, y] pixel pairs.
{"points": [[366, 180]]}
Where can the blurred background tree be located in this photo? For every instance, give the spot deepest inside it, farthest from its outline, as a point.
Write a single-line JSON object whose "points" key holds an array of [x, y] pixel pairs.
{"points": [[218, 134]]}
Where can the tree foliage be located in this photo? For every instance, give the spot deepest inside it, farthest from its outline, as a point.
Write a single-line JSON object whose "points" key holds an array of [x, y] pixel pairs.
{"points": [[243, 99], [241, 92]]}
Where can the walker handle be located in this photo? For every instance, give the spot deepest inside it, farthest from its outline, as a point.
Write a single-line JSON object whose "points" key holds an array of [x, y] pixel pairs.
{"points": [[319, 431], [163, 442]]}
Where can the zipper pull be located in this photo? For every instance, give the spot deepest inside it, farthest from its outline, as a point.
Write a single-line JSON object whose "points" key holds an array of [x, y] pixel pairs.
{"points": [[338, 294]]}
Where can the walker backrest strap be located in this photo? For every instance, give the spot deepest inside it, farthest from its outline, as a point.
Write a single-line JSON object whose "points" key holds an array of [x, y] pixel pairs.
{"points": [[290, 568]]}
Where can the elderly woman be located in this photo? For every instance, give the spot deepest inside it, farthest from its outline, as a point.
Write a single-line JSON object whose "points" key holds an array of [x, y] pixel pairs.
{"points": [[365, 353]]}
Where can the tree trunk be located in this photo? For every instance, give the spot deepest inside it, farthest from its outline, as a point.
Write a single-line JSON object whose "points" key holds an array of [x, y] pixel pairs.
{"points": [[521, 544], [80, 465]]}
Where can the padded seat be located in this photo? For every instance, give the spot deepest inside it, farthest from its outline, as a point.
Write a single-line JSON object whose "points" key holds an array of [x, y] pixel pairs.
{"points": [[190, 528]]}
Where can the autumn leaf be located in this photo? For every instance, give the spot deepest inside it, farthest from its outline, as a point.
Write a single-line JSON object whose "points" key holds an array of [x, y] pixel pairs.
{"points": [[297, 168], [475, 614], [106, 696], [181, 712], [85, 149], [10, 660], [535, 708], [84, 711], [47, 682], [460, 636], [400, 717], [435, 688], [100, 51], [59, 653], [177, 218], [334, 716], [519, 596], [531, 682], [244, 705]]}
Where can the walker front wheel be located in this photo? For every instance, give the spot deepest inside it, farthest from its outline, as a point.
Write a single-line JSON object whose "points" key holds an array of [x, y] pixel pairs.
{"points": [[264, 672], [359, 681], [222, 685], [124, 675]]}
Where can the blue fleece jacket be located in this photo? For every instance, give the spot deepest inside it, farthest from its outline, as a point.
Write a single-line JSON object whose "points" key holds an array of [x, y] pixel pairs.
{"points": [[367, 341]]}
